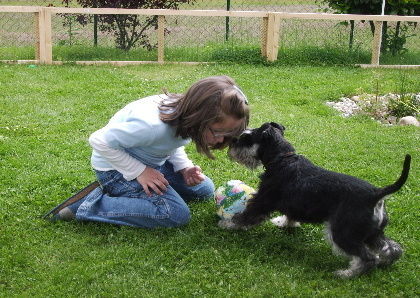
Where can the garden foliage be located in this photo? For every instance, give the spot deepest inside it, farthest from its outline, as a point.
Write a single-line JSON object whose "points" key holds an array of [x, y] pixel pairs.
{"points": [[393, 39], [129, 30]]}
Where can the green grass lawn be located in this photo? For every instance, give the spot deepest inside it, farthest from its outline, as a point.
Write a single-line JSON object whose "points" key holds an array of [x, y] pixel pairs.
{"points": [[47, 114]]}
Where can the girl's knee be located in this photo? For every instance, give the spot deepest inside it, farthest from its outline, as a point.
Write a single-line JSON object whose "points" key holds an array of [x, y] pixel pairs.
{"points": [[205, 190], [180, 216]]}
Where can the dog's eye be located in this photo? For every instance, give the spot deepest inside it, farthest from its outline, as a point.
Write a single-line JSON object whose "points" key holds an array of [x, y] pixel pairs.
{"points": [[246, 139]]}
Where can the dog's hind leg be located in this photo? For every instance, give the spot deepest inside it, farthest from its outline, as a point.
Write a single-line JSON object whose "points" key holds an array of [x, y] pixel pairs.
{"points": [[349, 239], [362, 261], [387, 249]]}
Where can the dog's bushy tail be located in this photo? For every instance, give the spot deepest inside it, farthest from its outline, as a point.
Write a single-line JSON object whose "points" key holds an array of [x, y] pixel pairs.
{"points": [[397, 184]]}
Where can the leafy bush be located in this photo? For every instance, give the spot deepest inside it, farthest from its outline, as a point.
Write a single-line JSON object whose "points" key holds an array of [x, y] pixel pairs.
{"points": [[128, 30], [405, 105], [392, 40]]}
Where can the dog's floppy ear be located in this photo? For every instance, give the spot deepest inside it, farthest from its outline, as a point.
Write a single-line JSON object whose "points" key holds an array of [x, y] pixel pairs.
{"points": [[278, 126]]}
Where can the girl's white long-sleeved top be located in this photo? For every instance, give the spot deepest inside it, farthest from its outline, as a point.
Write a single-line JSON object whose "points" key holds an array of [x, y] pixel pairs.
{"points": [[134, 138]]}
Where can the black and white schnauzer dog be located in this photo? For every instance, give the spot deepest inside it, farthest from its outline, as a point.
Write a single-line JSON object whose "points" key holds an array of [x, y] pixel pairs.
{"points": [[352, 208]]}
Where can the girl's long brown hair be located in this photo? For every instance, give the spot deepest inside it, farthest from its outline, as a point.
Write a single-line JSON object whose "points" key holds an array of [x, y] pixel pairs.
{"points": [[206, 102]]}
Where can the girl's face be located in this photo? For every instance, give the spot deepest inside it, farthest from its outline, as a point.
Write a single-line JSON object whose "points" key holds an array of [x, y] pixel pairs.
{"points": [[216, 132]]}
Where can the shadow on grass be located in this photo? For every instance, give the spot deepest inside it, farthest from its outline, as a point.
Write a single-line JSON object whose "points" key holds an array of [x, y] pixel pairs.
{"points": [[309, 55], [301, 248], [243, 54]]}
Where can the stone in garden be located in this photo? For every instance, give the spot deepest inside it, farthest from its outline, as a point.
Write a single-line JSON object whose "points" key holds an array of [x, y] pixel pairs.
{"points": [[409, 120], [392, 120]]}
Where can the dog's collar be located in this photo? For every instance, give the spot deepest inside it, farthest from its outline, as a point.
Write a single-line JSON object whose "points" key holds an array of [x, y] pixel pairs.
{"points": [[280, 157]]}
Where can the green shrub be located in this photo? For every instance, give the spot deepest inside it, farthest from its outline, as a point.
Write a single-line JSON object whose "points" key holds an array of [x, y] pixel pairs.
{"points": [[405, 105]]}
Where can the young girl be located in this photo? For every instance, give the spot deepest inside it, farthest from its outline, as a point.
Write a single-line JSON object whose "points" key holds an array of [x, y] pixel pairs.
{"points": [[145, 177]]}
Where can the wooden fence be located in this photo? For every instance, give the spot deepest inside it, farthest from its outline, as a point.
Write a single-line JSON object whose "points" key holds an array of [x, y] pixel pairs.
{"points": [[270, 27]]}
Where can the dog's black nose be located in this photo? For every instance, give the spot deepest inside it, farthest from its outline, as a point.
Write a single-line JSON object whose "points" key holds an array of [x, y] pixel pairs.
{"points": [[234, 140]]}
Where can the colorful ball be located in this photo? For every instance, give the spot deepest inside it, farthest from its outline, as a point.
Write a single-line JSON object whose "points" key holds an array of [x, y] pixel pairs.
{"points": [[232, 197]]}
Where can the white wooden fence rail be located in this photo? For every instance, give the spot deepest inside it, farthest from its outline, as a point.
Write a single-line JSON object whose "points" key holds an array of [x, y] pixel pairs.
{"points": [[270, 26]]}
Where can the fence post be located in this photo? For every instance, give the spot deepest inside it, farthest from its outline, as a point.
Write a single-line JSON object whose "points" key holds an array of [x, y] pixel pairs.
{"points": [[264, 26], [272, 37], [161, 38], [43, 48], [227, 21], [376, 43]]}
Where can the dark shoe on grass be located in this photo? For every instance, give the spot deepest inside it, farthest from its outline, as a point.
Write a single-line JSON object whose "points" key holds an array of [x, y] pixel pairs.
{"points": [[67, 209], [65, 214]]}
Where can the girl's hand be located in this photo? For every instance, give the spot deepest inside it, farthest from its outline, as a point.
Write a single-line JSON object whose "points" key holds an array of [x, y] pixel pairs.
{"points": [[151, 178], [192, 175]]}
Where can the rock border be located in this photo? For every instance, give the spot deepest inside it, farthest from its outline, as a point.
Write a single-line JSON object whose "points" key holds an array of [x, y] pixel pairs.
{"points": [[375, 106]]}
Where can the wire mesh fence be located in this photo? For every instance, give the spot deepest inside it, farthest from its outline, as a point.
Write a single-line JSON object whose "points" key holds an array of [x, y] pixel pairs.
{"points": [[191, 38]]}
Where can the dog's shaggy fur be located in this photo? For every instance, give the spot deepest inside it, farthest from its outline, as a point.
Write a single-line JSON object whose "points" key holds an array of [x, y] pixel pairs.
{"points": [[352, 208]]}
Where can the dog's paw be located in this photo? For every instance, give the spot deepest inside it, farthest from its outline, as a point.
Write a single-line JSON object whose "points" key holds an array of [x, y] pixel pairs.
{"points": [[348, 273], [228, 224], [389, 253], [284, 222], [345, 273], [356, 268]]}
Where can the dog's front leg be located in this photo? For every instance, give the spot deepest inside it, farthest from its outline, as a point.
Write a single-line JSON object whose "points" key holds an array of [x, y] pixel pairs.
{"points": [[254, 214]]}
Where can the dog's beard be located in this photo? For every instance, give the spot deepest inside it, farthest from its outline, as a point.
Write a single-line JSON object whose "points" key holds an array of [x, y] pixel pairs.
{"points": [[246, 156]]}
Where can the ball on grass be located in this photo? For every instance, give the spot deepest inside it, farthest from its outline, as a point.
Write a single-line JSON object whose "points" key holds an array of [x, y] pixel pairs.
{"points": [[232, 197]]}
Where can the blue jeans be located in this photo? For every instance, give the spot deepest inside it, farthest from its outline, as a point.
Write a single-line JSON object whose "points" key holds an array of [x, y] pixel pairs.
{"points": [[122, 202]]}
